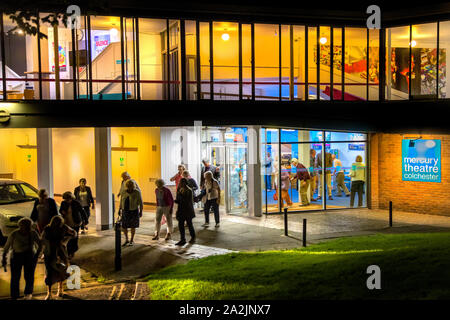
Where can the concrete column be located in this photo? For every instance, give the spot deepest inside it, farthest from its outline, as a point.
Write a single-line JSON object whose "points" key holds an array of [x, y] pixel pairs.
{"points": [[45, 159], [103, 179], [254, 172]]}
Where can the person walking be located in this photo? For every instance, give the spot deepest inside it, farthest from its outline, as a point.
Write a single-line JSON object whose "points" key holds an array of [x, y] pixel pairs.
{"points": [[74, 215], [25, 245], [328, 166], [208, 167], [212, 197], [177, 177], [164, 207], [185, 211], [358, 176], [190, 181], [56, 261], [285, 186], [340, 178], [303, 179], [123, 188], [131, 207], [83, 194], [44, 210]]}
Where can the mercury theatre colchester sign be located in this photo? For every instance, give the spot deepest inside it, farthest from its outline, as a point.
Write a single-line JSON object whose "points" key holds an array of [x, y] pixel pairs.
{"points": [[421, 160]]}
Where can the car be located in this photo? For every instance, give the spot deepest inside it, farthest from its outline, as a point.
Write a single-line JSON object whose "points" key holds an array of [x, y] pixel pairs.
{"points": [[16, 201]]}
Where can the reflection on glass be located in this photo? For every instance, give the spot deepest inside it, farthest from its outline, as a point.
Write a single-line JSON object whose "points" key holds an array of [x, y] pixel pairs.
{"points": [[444, 47], [355, 64], [397, 69]]}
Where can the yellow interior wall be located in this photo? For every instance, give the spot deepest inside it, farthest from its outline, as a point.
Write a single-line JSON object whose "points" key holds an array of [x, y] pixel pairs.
{"points": [[15, 160], [143, 165], [73, 158]]}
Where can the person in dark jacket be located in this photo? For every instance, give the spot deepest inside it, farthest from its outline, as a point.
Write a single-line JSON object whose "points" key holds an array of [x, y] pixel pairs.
{"points": [[44, 210], [84, 195], [185, 211], [190, 181], [73, 214]]}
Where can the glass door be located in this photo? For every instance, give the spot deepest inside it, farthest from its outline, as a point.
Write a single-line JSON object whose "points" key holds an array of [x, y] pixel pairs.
{"points": [[236, 178]]}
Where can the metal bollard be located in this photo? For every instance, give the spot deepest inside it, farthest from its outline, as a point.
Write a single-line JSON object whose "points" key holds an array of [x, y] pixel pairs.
{"points": [[113, 208], [285, 222], [304, 232], [118, 256], [390, 213]]}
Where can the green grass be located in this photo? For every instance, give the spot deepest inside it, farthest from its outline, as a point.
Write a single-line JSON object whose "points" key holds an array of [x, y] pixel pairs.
{"points": [[413, 266]]}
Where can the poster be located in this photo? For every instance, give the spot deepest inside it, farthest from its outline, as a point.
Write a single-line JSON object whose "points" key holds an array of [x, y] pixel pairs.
{"points": [[421, 160], [62, 57], [100, 43]]}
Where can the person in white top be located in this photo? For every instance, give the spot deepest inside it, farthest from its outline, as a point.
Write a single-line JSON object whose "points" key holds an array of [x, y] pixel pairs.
{"points": [[212, 196], [123, 188]]}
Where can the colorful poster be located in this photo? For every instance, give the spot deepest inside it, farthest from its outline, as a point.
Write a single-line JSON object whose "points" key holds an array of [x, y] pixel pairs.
{"points": [[62, 57], [421, 160], [100, 43]]}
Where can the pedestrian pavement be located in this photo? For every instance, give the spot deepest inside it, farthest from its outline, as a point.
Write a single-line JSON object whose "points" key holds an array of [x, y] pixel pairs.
{"points": [[236, 233]]}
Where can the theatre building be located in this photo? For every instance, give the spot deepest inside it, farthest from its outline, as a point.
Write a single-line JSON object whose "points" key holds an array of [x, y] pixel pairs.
{"points": [[252, 90]]}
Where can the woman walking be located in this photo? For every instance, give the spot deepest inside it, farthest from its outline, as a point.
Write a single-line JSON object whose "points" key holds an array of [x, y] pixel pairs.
{"points": [[73, 214], [131, 207], [44, 210], [164, 207], [55, 254], [25, 245], [212, 196], [84, 195], [185, 211]]}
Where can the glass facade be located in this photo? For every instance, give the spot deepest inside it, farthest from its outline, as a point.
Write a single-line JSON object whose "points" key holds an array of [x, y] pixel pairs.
{"points": [[119, 58], [310, 179]]}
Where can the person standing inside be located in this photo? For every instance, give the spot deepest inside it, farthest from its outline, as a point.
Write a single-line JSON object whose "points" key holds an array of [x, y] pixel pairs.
{"points": [[303, 178], [358, 176], [84, 195], [340, 178], [55, 254], [164, 207], [177, 177], [73, 214], [212, 195], [131, 207], [44, 210], [313, 174], [268, 166], [185, 211], [328, 166], [25, 245], [275, 168]]}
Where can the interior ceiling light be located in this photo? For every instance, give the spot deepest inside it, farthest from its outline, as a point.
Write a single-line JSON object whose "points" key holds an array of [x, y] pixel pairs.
{"points": [[413, 43], [323, 40], [114, 32], [225, 36]]}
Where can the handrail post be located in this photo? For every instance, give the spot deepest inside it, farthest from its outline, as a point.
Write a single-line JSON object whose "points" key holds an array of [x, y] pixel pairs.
{"points": [[304, 232], [285, 222]]}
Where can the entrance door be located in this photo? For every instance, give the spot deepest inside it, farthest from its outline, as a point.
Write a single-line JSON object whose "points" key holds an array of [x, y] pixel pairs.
{"points": [[236, 178]]}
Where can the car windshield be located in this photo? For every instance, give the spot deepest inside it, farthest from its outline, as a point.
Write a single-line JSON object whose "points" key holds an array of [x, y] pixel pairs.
{"points": [[14, 193]]}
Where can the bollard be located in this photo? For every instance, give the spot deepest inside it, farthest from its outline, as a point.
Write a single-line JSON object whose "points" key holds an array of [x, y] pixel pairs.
{"points": [[390, 213], [118, 256], [113, 208], [304, 232], [285, 222]]}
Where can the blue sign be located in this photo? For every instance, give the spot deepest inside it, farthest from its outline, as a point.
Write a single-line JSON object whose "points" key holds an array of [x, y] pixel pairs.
{"points": [[356, 146], [421, 160]]}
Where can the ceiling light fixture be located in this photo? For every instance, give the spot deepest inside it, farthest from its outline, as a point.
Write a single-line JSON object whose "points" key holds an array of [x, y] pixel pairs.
{"points": [[114, 32], [225, 37], [413, 43], [323, 40]]}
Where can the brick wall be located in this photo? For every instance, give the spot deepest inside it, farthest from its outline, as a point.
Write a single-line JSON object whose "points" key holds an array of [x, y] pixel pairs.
{"points": [[386, 177]]}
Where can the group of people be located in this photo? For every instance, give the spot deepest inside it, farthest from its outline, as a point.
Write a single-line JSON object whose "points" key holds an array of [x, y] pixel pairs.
{"points": [[311, 178], [131, 203], [51, 232]]}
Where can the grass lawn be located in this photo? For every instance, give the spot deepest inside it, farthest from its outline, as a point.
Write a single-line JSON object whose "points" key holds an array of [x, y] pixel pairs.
{"points": [[413, 266]]}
